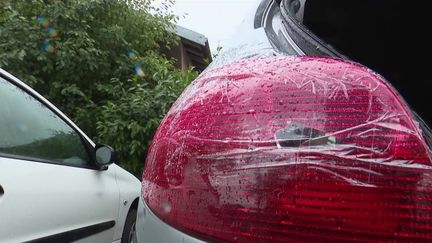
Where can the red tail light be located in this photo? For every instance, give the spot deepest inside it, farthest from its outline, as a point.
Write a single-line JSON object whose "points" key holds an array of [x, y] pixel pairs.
{"points": [[291, 149]]}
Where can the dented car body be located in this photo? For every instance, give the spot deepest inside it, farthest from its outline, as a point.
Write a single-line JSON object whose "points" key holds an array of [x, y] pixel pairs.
{"points": [[275, 142]]}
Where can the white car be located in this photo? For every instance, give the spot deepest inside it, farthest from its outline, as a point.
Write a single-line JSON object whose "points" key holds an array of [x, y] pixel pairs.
{"points": [[56, 185]]}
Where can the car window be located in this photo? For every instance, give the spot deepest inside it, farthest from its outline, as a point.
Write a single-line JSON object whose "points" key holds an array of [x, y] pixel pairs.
{"points": [[29, 129]]}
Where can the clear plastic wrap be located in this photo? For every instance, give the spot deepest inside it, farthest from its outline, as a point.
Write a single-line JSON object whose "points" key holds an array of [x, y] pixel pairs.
{"points": [[284, 148]]}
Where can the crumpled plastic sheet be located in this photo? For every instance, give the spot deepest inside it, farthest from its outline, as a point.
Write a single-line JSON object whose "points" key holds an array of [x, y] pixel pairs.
{"points": [[264, 132]]}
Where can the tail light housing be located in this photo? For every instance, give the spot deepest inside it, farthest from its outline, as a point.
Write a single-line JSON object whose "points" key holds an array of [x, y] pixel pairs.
{"points": [[291, 149]]}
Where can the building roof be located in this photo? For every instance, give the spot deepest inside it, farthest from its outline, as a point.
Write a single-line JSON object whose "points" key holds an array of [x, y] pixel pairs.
{"points": [[190, 35], [195, 45]]}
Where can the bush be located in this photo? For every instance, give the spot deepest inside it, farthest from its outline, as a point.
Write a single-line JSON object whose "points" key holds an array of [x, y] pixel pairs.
{"points": [[100, 62]]}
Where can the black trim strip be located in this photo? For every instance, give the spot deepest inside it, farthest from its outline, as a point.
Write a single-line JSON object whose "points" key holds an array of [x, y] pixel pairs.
{"points": [[1, 190], [76, 234], [307, 41], [259, 15]]}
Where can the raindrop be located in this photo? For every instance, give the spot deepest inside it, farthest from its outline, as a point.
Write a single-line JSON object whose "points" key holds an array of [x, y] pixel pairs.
{"points": [[43, 21], [131, 55], [166, 206], [52, 32], [138, 70], [48, 47], [22, 127]]}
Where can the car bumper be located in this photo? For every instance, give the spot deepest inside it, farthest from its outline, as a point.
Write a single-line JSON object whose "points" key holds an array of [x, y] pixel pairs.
{"points": [[149, 228]]}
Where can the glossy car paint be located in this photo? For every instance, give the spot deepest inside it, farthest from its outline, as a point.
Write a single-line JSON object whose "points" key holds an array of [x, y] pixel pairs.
{"points": [[150, 228], [43, 199]]}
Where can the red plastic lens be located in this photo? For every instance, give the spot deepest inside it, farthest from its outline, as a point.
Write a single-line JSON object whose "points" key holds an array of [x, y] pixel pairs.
{"points": [[291, 149]]}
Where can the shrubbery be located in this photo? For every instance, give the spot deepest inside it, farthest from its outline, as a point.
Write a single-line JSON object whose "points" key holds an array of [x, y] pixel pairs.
{"points": [[100, 62]]}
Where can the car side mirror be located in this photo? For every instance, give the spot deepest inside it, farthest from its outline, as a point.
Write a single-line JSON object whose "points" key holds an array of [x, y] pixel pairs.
{"points": [[105, 155]]}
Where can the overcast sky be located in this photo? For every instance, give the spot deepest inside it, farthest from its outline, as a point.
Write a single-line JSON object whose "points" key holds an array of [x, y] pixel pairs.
{"points": [[216, 19]]}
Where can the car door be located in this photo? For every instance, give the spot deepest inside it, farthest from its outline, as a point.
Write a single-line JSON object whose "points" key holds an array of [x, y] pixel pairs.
{"points": [[50, 189]]}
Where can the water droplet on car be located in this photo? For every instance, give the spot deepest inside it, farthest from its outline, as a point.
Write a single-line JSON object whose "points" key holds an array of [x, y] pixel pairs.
{"points": [[166, 206]]}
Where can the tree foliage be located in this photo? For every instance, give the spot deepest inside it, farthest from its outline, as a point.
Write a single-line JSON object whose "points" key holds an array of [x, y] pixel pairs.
{"points": [[99, 61]]}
